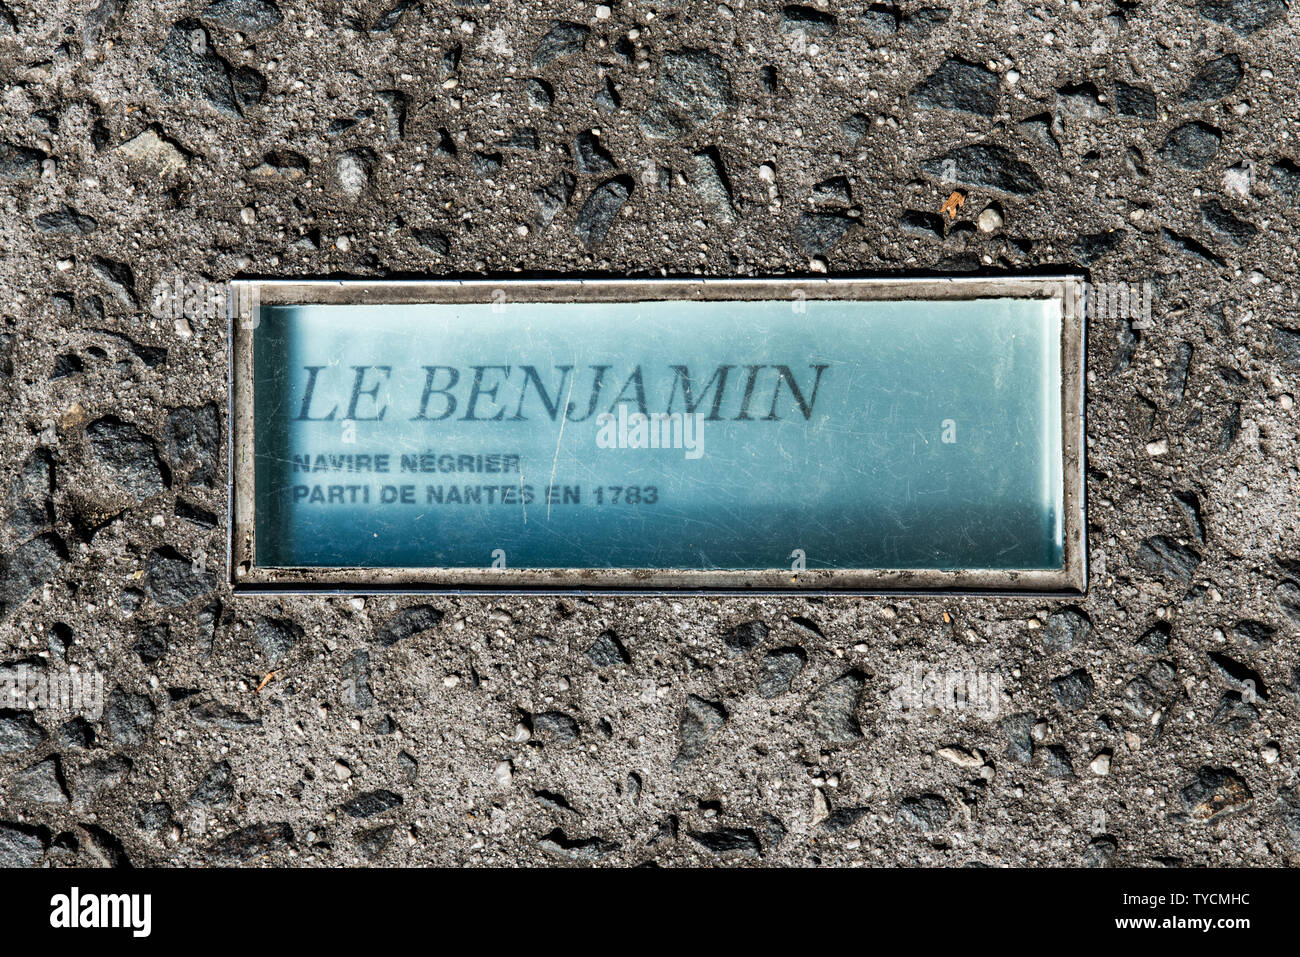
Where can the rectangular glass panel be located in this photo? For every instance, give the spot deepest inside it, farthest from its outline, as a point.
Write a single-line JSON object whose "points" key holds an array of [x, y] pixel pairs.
{"points": [[779, 434]]}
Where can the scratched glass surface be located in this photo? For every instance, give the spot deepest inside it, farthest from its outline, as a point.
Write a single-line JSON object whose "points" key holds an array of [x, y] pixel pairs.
{"points": [[665, 435]]}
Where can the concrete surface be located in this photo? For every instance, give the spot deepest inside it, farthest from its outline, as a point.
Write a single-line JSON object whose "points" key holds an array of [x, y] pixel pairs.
{"points": [[1152, 721]]}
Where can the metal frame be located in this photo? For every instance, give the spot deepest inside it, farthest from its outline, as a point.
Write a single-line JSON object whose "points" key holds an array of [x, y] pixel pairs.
{"points": [[247, 295]]}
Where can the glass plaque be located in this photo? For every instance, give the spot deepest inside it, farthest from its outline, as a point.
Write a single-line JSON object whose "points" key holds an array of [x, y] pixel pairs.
{"points": [[645, 435]]}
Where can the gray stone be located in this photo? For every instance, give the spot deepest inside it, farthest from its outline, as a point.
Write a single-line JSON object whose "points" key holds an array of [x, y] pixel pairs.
{"points": [[485, 165], [216, 789], [693, 87], [1189, 246], [276, 636], [256, 840], [30, 495], [102, 847], [42, 783], [608, 100], [920, 223], [1018, 731], [807, 20], [1072, 691], [152, 152], [214, 714], [855, 127], [433, 239], [925, 812], [559, 844], [1100, 852], [563, 39], [1081, 101], [206, 622], [598, 212], [394, 104], [154, 817], [744, 637], [1243, 16], [152, 644], [1215, 80], [173, 580], [607, 651], [843, 818], [959, 85], [189, 68], [27, 568], [20, 162], [1237, 674], [21, 845], [540, 94], [127, 456], [554, 801], [589, 155], [354, 169], [370, 803], [248, 16], [709, 180], [372, 844], [408, 623], [778, 671], [356, 680], [193, 443], [66, 222], [76, 733], [1223, 222], [880, 18], [1056, 761], [20, 731], [119, 278], [988, 165], [923, 20], [1235, 713], [523, 138], [834, 191], [409, 766], [1287, 342], [1189, 503], [700, 720], [1135, 101], [555, 727], [1040, 130], [1215, 792], [738, 841], [773, 832], [1191, 146], [820, 232], [1284, 177], [1141, 699], [1176, 380], [129, 718], [100, 775], [1163, 557], [1155, 640], [1090, 247], [834, 706], [1254, 632], [554, 197], [391, 17]]}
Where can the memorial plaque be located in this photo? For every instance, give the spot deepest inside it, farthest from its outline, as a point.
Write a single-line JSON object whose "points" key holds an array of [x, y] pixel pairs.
{"points": [[732, 435]]}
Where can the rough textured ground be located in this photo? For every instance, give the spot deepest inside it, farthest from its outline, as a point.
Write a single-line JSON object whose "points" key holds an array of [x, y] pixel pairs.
{"points": [[1145, 141]]}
